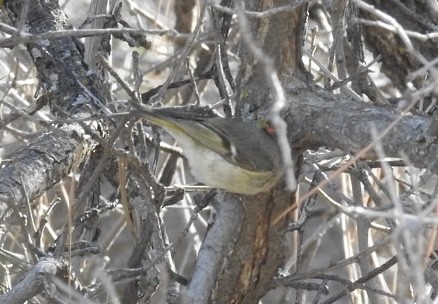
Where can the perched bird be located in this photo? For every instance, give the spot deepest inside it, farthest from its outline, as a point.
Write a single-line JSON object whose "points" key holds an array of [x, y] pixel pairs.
{"points": [[230, 154]]}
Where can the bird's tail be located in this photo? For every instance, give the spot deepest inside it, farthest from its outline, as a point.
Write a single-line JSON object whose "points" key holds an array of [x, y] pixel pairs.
{"points": [[148, 113]]}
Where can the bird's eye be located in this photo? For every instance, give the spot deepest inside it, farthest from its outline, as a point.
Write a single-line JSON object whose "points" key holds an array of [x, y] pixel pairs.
{"points": [[266, 125]]}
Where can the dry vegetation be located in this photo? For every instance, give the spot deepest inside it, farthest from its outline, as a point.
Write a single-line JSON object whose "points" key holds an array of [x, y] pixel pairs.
{"points": [[98, 207]]}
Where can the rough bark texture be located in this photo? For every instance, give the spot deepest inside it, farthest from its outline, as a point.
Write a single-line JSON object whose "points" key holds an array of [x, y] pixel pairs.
{"points": [[62, 73], [397, 60], [243, 248], [259, 250]]}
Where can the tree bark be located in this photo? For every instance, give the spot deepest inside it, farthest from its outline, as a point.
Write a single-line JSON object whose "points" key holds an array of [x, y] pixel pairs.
{"points": [[244, 248]]}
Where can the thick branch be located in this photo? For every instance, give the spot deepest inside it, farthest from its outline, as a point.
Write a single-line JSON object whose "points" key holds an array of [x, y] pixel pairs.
{"points": [[72, 90], [215, 249], [37, 167], [317, 118], [33, 283]]}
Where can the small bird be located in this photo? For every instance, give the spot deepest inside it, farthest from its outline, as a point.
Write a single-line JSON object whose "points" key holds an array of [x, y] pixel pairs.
{"points": [[225, 153]]}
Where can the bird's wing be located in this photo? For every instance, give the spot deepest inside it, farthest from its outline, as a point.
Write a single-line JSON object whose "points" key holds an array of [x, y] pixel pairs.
{"points": [[204, 134]]}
